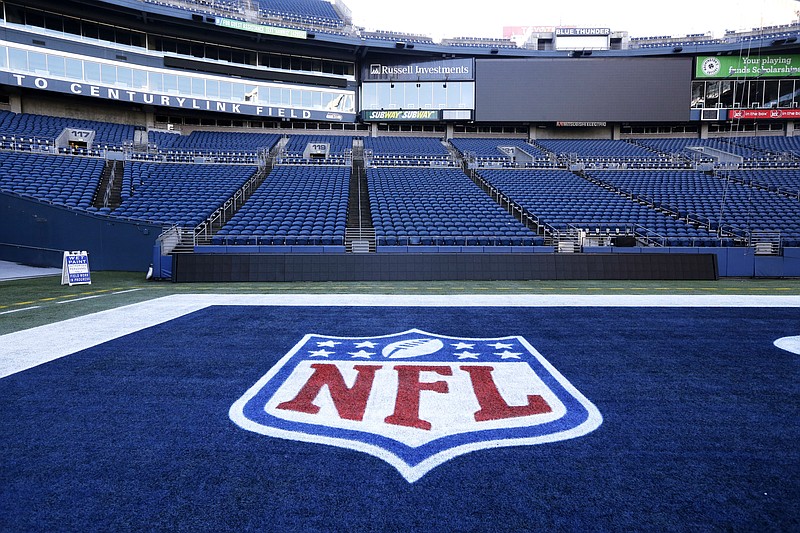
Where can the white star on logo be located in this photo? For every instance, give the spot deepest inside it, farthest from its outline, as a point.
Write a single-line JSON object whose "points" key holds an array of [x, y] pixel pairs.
{"points": [[509, 355], [365, 344], [361, 354], [467, 355], [500, 345], [462, 345], [320, 353], [331, 344]]}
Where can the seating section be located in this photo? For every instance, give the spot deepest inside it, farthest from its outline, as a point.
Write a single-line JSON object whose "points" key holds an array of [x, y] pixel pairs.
{"points": [[438, 206], [315, 12], [560, 198], [340, 150], [61, 180], [174, 193], [593, 148], [480, 42], [785, 180], [708, 198], [295, 205], [487, 151], [47, 127], [213, 141], [393, 150], [773, 145], [228, 8], [417, 195], [394, 36], [734, 146]]}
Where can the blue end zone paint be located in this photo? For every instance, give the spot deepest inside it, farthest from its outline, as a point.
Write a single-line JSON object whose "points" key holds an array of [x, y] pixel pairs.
{"points": [[700, 430]]}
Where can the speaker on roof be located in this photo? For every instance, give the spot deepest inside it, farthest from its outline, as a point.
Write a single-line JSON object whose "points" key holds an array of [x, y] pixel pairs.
{"points": [[677, 49], [197, 18], [211, 20]]}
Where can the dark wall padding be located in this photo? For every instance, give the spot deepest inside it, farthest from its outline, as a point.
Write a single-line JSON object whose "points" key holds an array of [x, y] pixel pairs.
{"points": [[34, 232], [443, 266]]}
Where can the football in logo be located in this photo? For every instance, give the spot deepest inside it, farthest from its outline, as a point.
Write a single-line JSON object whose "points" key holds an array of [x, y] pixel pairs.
{"points": [[412, 348], [790, 344], [711, 66], [415, 399]]}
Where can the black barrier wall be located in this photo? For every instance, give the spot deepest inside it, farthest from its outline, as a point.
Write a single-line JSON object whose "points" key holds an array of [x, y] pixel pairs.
{"points": [[441, 267]]}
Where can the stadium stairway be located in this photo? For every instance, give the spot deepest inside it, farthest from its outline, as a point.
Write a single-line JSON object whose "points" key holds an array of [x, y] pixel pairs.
{"points": [[109, 190], [359, 234]]}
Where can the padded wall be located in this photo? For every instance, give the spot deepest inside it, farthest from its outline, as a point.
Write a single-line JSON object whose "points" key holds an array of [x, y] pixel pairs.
{"points": [[440, 266], [36, 232]]}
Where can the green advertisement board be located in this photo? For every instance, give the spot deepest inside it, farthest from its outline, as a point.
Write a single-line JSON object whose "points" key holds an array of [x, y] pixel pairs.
{"points": [[260, 28], [774, 66]]}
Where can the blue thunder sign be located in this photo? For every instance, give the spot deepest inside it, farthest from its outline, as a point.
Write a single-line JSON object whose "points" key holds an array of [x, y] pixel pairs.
{"points": [[415, 399]]}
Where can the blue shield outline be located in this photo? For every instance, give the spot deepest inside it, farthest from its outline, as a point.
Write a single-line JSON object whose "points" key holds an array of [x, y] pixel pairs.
{"points": [[578, 417]]}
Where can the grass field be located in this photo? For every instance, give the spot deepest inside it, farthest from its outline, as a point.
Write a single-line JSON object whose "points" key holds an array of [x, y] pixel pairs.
{"points": [[32, 302]]}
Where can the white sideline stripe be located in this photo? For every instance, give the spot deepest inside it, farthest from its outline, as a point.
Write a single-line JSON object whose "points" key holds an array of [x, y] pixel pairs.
{"points": [[79, 299], [127, 291], [18, 310], [24, 349]]}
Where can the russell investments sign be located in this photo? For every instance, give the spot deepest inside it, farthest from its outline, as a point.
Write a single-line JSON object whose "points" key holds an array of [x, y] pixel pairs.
{"points": [[438, 70]]}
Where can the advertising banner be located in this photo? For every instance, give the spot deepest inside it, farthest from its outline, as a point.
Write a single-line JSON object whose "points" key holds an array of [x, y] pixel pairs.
{"points": [[770, 114], [397, 115], [260, 28], [774, 66], [581, 32], [389, 69]]}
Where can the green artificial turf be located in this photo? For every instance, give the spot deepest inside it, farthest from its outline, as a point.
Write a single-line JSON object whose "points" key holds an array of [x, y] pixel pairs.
{"points": [[32, 302]]}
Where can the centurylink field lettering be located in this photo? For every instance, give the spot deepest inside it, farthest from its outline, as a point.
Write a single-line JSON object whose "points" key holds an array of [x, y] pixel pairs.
{"points": [[203, 104]]}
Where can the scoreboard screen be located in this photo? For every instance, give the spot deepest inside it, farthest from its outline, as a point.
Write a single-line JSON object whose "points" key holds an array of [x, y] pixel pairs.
{"points": [[583, 89]]}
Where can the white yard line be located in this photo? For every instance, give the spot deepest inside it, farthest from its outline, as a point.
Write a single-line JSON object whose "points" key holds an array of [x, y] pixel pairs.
{"points": [[26, 349], [21, 309], [80, 299], [127, 291]]}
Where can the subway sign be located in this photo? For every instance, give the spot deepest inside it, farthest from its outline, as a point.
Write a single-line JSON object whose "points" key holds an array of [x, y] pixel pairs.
{"points": [[747, 67], [394, 116]]}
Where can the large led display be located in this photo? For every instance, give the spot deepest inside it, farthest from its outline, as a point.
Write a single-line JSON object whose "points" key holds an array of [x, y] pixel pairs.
{"points": [[583, 89]]}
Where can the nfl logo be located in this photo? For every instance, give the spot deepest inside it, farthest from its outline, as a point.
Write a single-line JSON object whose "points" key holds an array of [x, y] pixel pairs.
{"points": [[415, 399]]}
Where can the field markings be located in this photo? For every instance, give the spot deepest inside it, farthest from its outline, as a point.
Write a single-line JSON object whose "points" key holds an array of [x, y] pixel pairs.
{"points": [[18, 310], [26, 349], [81, 299]]}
